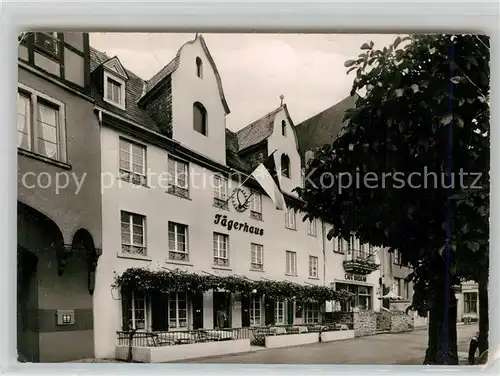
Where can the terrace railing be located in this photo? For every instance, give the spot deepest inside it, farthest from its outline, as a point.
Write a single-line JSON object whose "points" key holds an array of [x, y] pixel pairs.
{"points": [[159, 339]]}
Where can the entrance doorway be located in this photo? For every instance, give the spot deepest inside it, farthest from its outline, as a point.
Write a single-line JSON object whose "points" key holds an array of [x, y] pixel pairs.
{"points": [[197, 311], [222, 309]]}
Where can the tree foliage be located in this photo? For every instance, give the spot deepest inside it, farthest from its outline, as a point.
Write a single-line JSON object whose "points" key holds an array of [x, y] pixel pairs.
{"points": [[417, 139]]}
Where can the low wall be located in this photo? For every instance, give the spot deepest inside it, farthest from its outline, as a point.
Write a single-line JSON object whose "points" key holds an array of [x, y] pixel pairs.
{"points": [[291, 340], [401, 322], [181, 352], [337, 335], [344, 318], [365, 323], [383, 320]]}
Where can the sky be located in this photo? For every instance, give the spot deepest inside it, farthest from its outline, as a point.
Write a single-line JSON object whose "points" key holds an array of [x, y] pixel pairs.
{"points": [[308, 69]]}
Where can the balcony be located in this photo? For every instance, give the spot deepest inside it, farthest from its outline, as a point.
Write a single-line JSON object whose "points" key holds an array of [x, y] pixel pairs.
{"points": [[358, 262]]}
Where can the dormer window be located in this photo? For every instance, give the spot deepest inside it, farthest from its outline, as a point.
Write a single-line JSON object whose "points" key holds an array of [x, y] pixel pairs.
{"points": [[283, 128], [114, 91], [285, 166], [114, 80], [199, 67]]}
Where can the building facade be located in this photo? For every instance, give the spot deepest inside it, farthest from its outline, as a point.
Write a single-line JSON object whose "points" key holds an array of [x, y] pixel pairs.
{"points": [[468, 302], [175, 184], [59, 203]]}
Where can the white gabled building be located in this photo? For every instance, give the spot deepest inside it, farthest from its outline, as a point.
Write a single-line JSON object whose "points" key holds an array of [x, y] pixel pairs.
{"points": [[169, 166]]}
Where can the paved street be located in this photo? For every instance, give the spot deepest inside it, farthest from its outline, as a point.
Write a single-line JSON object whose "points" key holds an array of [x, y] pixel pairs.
{"points": [[403, 348]]}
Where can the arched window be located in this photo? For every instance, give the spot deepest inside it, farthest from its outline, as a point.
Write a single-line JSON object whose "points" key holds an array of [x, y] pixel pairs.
{"points": [[199, 118], [199, 67], [285, 165], [283, 127]]}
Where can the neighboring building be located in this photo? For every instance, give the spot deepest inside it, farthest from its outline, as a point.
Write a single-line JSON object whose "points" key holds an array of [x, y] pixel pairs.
{"points": [[322, 129], [468, 302], [175, 123], [59, 201]]}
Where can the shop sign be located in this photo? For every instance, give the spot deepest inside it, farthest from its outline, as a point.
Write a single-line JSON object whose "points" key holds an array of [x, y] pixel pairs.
{"points": [[355, 277], [234, 225]]}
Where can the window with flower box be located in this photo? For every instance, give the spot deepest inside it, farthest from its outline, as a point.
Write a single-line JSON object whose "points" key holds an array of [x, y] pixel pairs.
{"points": [[221, 249], [178, 177], [257, 257], [256, 206], [132, 162], [133, 233], [177, 242], [220, 192]]}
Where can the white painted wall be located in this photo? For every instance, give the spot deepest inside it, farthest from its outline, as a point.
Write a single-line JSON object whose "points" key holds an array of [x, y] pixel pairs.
{"points": [[286, 145], [198, 213], [188, 88], [335, 270]]}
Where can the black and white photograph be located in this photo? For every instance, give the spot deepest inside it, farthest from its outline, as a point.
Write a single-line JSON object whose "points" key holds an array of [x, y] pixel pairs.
{"points": [[253, 198]]}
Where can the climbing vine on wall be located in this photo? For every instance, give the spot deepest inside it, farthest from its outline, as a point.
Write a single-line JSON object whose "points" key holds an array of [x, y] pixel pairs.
{"points": [[138, 279]]}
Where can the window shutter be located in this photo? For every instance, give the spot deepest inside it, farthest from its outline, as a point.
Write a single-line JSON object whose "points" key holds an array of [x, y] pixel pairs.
{"points": [[126, 310], [159, 311], [335, 242]]}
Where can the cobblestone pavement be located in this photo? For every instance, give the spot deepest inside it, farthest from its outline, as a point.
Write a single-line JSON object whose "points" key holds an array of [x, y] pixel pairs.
{"points": [[402, 348]]}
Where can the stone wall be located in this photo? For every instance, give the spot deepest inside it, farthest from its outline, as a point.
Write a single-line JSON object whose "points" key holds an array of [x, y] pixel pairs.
{"points": [[365, 323], [401, 322], [383, 320]]}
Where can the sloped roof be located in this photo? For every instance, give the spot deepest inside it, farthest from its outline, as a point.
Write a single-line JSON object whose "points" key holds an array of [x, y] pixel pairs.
{"points": [[324, 127], [257, 131], [172, 66], [133, 91]]}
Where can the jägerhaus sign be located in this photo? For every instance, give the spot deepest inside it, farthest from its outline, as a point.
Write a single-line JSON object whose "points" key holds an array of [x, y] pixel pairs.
{"points": [[238, 226]]}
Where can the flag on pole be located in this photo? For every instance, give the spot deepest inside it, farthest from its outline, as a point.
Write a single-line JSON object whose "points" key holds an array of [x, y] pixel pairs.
{"points": [[266, 176]]}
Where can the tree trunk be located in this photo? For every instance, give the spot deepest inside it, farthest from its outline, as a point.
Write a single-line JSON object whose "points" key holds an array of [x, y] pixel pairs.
{"points": [[483, 314], [442, 344]]}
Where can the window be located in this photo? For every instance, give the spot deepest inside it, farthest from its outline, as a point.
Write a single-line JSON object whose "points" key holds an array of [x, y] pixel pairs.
{"points": [[256, 206], [285, 166], [138, 310], [290, 218], [133, 233], [279, 313], [283, 128], [256, 257], [311, 313], [177, 242], [178, 182], [200, 118], [114, 89], [396, 286], [311, 227], [41, 125], [362, 297], [199, 68], [291, 263], [48, 44], [220, 192], [132, 162], [470, 302], [313, 267], [340, 246], [397, 257], [221, 253], [255, 311], [177, 311]]}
